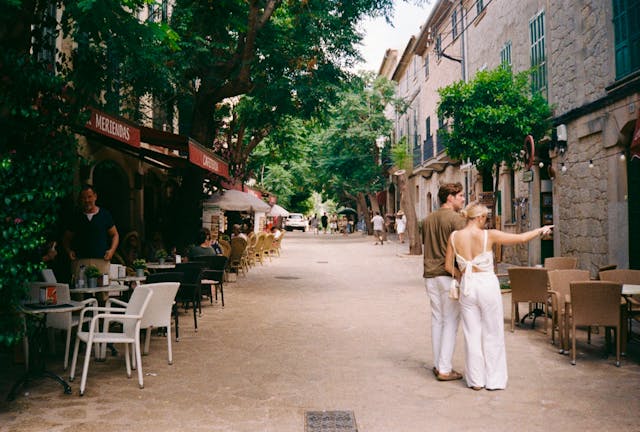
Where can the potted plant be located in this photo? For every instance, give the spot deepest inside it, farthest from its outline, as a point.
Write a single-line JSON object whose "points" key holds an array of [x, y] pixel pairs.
{"points": [[139, 266], [92, 274], [161, 255]]}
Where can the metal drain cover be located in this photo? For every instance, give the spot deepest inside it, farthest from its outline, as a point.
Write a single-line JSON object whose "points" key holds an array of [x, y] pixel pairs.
{"points": [[322, 262], [287, 277], [330, 421]]}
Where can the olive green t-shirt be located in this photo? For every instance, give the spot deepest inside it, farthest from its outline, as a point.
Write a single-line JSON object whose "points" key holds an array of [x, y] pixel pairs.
{"points": [[436, 229]]}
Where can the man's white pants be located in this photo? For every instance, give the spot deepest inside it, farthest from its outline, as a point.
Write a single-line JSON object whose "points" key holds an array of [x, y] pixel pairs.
{"points": [[445, 316]]}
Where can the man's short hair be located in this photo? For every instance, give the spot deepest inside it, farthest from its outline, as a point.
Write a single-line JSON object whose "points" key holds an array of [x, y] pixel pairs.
{"points": [[203, 235], [447, 189]]}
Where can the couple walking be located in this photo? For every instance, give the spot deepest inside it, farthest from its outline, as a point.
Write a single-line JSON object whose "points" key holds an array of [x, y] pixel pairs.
{"points": [[453, 236]]}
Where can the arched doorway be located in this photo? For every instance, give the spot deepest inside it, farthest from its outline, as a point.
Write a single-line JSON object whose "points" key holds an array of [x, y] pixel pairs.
{"points": [[111, 185], [633, 203]]}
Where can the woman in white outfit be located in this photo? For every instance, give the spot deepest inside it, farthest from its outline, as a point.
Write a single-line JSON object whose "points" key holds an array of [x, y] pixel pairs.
{"points": [[480, 299]]}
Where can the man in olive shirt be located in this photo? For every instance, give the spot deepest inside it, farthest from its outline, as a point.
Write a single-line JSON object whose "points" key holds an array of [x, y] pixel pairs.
{"points": [[445, 312]]}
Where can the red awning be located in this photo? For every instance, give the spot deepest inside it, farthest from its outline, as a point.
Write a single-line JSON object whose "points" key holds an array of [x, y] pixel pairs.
{"points": [[118, 129], [206, 159], [156, 144]]}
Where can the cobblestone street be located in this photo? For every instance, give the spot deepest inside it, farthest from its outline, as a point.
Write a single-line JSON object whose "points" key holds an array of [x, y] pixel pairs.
{"points": [[335, 323]]}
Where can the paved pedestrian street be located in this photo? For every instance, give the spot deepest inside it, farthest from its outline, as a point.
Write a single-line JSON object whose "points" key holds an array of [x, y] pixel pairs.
{"points": [[334, 324]]}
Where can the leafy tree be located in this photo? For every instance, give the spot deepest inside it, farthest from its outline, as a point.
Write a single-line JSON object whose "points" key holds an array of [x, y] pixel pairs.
{"points": [[287, 56], [489, 118], [349, 166], [402, 160]]}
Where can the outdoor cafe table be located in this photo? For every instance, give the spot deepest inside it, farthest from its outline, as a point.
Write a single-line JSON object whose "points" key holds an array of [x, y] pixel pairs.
{"points": [[163, 266], [37, 367]]}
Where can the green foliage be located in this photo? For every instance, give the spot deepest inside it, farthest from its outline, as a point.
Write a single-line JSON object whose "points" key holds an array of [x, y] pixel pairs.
{"points": [[490, 116], [43, 97], [400, 154], [92, 272], [37, 150], [348, 159], [139, 264]]}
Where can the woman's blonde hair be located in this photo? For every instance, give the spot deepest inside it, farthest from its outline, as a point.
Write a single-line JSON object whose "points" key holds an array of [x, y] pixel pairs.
{"points": [[474, 210]]}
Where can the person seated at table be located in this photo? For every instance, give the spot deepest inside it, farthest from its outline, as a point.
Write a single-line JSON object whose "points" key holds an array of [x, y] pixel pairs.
{"points": [[129, 249], [276, 233], [154, 246], [205, 246], [237, 232]]}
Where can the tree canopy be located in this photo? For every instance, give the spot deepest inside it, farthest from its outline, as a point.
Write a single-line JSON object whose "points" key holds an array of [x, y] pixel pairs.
{"points": [[489, 117]]}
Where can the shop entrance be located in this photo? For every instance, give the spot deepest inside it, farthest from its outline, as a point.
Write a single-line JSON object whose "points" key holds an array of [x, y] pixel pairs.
{"points": [[633, 203], [112, 187]]}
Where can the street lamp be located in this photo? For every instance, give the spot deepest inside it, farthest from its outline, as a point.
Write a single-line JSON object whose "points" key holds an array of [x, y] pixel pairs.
{"points": [[380, 144]]}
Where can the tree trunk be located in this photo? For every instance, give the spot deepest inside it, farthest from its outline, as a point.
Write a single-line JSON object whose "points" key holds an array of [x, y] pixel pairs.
{"points": [[407, 204], [363, 211], [375, 208]]}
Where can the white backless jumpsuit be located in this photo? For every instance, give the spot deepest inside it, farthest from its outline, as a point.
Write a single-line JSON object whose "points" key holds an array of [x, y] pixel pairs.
{"points": [[482, 321]]}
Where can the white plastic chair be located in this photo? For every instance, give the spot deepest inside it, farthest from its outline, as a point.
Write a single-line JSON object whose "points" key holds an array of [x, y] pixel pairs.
{"points": [[158, 313], [62, 321], [130, 317]]}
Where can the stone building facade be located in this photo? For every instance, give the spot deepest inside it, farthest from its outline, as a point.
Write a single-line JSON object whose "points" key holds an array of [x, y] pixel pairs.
{"points": [[584, 57]]}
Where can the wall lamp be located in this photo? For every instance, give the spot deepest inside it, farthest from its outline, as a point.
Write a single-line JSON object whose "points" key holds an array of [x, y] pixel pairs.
{"points": [[560, 139]]}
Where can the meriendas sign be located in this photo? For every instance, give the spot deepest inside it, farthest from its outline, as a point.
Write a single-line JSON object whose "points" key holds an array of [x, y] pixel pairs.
{"points": [[112, 127]]}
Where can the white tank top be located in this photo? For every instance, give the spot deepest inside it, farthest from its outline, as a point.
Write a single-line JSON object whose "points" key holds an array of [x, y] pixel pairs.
{"points": [[483, 262]]}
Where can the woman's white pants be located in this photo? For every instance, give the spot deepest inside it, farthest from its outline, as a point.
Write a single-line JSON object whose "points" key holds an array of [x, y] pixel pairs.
{"points": [[483, 327]]}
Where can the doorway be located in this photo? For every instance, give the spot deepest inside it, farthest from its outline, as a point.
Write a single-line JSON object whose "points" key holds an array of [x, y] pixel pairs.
{"points": [[111, 185], [633, 203]]}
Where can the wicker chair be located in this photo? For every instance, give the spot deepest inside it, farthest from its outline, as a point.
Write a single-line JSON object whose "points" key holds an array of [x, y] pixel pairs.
{"points": [[595, 303], [258, 249], [249, 256], [559, 281], [277, 243], [238, 248], [226, 247], [528, 284], [266, 247], [561, 263], [625, 276]]}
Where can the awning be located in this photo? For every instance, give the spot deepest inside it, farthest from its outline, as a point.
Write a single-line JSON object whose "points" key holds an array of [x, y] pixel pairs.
{"points": [[154, 146]]}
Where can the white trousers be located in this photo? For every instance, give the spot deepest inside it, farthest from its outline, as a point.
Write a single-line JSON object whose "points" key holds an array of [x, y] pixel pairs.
{"points": [[445, 316], [483, 327]]}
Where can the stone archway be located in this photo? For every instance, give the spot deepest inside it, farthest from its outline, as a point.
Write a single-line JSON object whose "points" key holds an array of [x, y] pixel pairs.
{"points": [[112, 186]]}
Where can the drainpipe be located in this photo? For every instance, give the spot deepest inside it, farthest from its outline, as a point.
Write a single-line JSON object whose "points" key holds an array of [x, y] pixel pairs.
{"points": [[463, 63]]}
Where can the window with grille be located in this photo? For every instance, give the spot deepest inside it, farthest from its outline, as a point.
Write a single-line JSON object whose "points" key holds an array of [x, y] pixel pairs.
{"points": [[439, 46], [538, 58], [626, 25], [426, 65], [454, 24], [479, 6], [505, 55]]}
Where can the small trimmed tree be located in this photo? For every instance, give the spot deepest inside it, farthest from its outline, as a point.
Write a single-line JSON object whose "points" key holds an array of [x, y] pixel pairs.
{"points": [[489, 117]]}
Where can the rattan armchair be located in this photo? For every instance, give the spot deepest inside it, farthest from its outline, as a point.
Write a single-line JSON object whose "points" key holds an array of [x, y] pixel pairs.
{"points": [[528, 284]]}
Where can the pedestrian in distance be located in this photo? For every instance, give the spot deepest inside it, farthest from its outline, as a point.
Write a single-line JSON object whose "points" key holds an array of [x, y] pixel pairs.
{"points": [[445, 312], [480, 298], [324, 220], [401, 225], [378, 228]]}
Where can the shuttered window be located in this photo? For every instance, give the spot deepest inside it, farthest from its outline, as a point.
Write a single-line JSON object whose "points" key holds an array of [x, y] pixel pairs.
{"points": [[626, 24]]}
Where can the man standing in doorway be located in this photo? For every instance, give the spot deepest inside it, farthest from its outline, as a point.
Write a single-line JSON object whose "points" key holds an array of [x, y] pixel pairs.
{"points": [[92, 234], [445, 312], [378, 227]]}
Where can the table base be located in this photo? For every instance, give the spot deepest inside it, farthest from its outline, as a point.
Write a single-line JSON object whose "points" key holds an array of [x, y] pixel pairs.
{"points": [[28, 376]]}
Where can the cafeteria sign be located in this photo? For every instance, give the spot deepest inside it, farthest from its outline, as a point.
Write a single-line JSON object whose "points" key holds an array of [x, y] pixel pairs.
{"points": [[527, 176], [206, 159]]}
